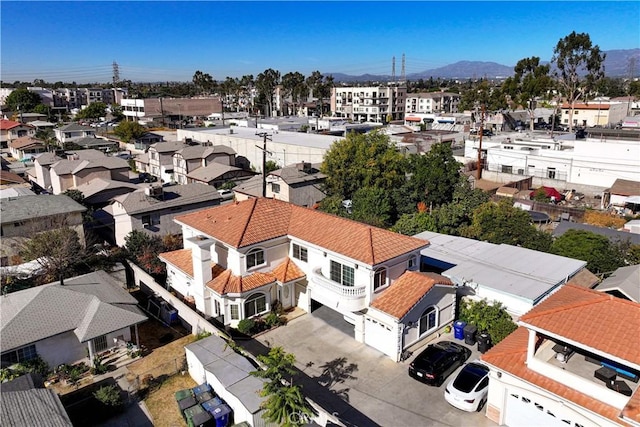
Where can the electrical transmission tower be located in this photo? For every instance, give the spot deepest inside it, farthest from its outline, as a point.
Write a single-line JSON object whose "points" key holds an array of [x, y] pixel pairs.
{"points": [[403, 75], [393, 69], [116, 73]]}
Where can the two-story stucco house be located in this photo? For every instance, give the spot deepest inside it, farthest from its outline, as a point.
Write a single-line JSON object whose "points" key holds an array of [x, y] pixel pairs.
{"points": [[193, 157], [73, 132], [239, 258], [161, 159], [10, 130]]}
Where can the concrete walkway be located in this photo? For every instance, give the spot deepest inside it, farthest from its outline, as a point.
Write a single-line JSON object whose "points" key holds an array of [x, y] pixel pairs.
{"points": [[361, 385]]}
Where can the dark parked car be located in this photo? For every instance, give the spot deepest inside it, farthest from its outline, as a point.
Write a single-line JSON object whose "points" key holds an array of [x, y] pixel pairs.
{"points": [[438, 361]]}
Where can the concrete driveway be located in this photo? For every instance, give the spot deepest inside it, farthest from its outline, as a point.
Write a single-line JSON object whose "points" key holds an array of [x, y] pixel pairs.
{"points": [[338, 370]]}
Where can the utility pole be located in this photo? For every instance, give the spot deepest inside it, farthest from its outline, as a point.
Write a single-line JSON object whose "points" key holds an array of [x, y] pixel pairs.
{"points": [[481, 131], [162, 112], [265, 136]]}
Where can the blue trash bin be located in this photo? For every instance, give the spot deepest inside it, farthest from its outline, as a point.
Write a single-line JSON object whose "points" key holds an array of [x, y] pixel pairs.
{"points": [[210, 405], [200, 389], [458, 329], [221, 414]]}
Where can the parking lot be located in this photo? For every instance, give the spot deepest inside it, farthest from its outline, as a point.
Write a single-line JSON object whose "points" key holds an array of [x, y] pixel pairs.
{"points": [[378, 390]]}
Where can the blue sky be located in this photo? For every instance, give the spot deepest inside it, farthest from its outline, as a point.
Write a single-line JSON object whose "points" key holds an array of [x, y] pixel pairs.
{"points": [[157, 41]]}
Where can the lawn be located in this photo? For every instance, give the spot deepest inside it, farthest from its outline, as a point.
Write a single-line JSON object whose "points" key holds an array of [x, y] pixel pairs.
{"points": [[162, 404], [161, 362]]}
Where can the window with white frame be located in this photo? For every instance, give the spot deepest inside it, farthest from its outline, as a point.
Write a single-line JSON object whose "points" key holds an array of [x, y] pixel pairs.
{"points": [[275, 187], [428, 320], [255, 257], [342, 274], [20, 355], [380, 278], [300, 252], [255, 304], [233, 310]]}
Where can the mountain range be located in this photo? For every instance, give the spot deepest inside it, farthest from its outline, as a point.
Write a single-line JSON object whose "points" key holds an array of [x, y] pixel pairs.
{"points": [[616, 64]]}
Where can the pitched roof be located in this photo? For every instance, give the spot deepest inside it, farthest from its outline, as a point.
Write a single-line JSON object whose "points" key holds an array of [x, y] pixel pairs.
{"points": [[167, 146], [625, 187], [288, 271], [293, 174], [98, 185], [585, 106], [227, 283], [609, 233], [212, 171], [200, 152], [625, 280], [173, 196], [407, 291], [10, 124], [31, 207], [90, 305], [585, 279], [26, 142], [38, 406], [180, 259], [510, 355], [6, 176], [257, 220], [47, 159], [74, 127], [591, 318]]}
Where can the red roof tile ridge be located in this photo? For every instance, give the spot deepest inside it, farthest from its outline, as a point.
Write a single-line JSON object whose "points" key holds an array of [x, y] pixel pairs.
{"points": [[246, 224], [541, 311]]}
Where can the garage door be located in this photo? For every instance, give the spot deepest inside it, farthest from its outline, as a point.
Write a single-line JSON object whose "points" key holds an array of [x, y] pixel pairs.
{"points": [[531, 410], [381, 337]]}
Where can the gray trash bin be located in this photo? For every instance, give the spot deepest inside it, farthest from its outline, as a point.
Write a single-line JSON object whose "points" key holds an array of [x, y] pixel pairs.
{"points": [[470, 334]]}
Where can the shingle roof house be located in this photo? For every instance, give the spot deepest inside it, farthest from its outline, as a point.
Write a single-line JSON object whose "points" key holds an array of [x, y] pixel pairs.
{"points": [[551, 370], [238, 259], [623, 283], [25, 402], [61, 322]]}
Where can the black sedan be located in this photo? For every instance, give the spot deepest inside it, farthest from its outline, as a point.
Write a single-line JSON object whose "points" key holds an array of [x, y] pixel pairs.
{"points": [[438, 361]]}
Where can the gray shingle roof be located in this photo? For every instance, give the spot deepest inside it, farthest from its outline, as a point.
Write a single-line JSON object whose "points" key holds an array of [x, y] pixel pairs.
{"points": [[292, 175], [167, 146], [625, 280], [73, 127], [211, 171], [47, 159], [173, 196], [88, 305], [201, 152], [98, 185], [35, 407], [32, 207]]}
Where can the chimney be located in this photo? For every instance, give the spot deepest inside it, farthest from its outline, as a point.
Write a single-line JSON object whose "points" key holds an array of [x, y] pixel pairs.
{"points": [[201, 261], [304, 166]]}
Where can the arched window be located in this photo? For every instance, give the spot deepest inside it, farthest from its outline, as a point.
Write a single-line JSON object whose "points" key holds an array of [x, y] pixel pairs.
{"points": [[380, 278], [255, 304], [255, 257], [428, 320]]}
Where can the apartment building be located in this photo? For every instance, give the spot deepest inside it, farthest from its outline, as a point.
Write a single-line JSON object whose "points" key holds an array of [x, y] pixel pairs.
{"points": [[432, 102], [378, 104]]}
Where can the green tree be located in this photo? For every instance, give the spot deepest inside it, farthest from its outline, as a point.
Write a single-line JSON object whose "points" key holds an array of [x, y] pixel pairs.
{"points": [[530, 81], [412, 224], [22, 100], [95, 110], [372, 206], [321, 87], [333, 205], [108, 395], [434, 176], [266, 83], [601, 255], [56, 250], [295, 87], [129, 130], [285, 404], [48, 138], [502, 223], [46, 110], [579, 67], [362, 160], [203, 81], [271, 166]]}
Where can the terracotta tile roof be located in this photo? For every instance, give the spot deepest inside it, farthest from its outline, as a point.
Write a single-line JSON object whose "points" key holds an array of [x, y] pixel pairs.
{"points": [[407, 291], [8, 124], [632, 409], [227, 283], [288, 271], [257, 220], [510, 355], [592, 318], [24, 142], [180, 259]]}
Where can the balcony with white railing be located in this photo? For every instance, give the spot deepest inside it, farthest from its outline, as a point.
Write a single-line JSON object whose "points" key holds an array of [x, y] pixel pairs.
{"points": [[335, 295]]}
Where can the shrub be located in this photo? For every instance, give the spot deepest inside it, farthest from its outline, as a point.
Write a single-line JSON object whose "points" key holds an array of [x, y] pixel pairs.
{"points": [[272, 319], [490, 318], [202, 334], [500, 329], [108, 395], [98, 367], [245, 326]]}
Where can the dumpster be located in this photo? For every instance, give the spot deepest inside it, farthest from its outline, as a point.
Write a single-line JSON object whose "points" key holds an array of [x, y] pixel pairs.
{"points": [[210, 405], [181, 394], [201, 389], [196, 416], [203, 397], [221, 415], [484, 342], [458, 329], [470, 332], [186, 403]]}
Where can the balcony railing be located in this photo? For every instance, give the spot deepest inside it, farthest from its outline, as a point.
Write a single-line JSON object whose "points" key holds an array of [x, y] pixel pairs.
{"points": [[349, 292]]}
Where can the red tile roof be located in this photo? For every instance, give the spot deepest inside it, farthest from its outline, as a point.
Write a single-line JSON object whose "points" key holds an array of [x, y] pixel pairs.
{"points": [[510, 356], [180, 259], [227, 283], [592, 318], [257, 220], [288, 271], [8, 124], [407, 291]]}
